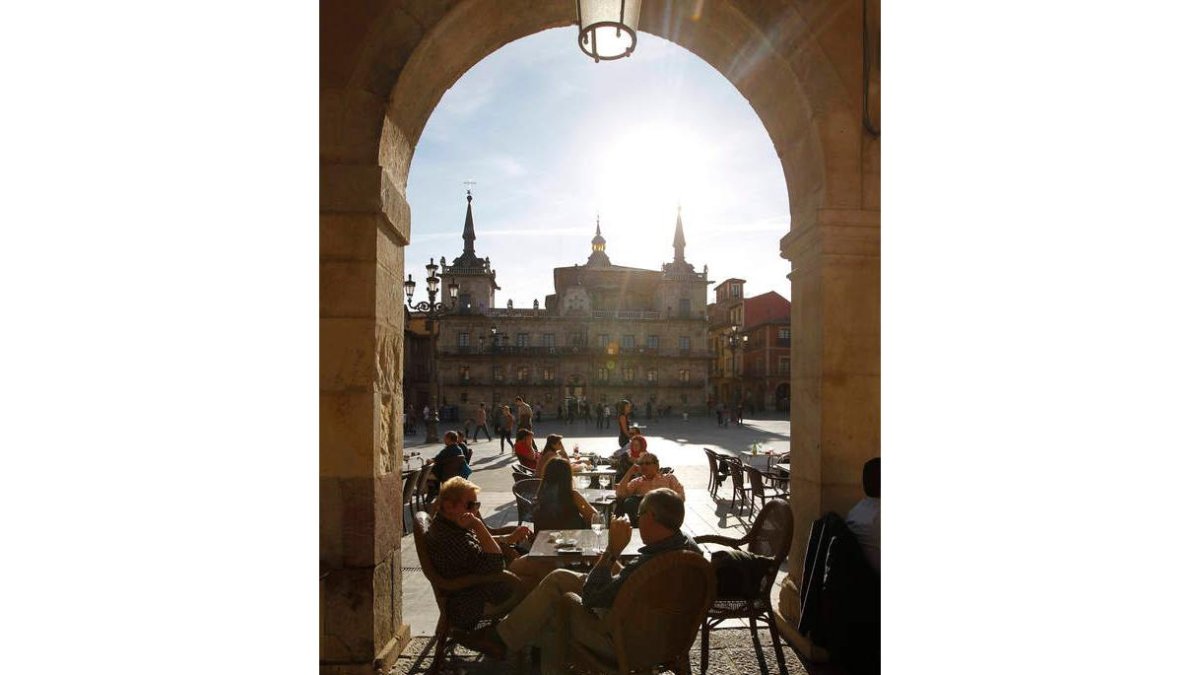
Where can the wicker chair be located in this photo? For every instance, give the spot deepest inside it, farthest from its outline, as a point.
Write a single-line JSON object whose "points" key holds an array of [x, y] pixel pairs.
{"points": [[526, 493], [759, 490], [737, 476], [718, 471], [654, 619], [443, 586], [770, 536]]}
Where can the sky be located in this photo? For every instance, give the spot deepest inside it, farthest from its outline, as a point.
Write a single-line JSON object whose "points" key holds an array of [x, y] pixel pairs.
{"points": [[552, 139]]}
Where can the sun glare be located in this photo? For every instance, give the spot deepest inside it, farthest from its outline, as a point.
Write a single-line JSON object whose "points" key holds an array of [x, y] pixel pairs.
{"points": [[646, 172]]}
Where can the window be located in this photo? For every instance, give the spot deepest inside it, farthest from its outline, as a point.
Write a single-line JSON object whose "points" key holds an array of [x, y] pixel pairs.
{"points": [[547, 375], [652, 341], [685, 376], [785, 366], [629, 373], [626, 342], [522, 374], [464, 339], [685, 307], [522, 339], [785, 333], [576, 339], [737, 290], [462, 398], [497, 373], [685, 343], [652, 375], [602, 374], [464, 374], [547, 339], [602, 341], [683, 399]]}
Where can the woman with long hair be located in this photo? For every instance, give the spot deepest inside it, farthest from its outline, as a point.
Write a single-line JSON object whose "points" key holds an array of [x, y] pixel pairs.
{"points": [[559, 505], [554, 448], [624, 408]]}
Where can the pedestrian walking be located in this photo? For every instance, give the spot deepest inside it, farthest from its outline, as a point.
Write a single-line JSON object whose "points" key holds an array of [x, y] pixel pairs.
{"points": [[481, 422]]}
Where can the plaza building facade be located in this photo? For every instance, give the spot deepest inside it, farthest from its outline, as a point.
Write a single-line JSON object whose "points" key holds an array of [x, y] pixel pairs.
{"points": [[606, 333], [756, 370]]}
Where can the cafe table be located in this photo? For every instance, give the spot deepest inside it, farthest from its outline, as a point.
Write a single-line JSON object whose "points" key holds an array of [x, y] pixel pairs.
{"points": [[595, 473], [764, 459], [546, 548], [601, 499]]}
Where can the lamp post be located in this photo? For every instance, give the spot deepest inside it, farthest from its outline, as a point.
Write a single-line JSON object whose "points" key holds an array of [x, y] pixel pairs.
{"points": [[736, 341], [433, 310]]}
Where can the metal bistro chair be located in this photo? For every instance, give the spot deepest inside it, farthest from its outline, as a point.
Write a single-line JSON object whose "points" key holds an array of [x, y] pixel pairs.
{"points": [[443, 587], [419, 500], [409, 492], [526, 493], [654, 618], [737, 476], [717, 471], [770, 536], [758, 489]]}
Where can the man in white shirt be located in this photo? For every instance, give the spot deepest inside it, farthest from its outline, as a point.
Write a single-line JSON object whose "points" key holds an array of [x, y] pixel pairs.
{"points": [[863, 519]]}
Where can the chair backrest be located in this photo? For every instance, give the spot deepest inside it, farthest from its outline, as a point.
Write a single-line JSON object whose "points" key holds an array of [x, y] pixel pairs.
{"points": [[735, 473], [526, 493], [712, 461], [410, 485], [423, 478], [519, 476], [658, 610], [771, 536], [420, 530], [523, 469], [756, 481]]}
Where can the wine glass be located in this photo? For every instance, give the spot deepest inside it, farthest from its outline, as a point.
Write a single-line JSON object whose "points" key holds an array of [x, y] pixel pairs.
{"points": [[597, 528], [605, 481]]}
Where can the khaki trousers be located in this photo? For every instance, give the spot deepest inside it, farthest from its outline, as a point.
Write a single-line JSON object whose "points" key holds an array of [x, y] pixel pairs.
{"points": [[534, 622]]}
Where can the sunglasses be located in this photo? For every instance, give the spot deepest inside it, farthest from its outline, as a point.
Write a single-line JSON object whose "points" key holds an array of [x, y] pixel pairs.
{"points": [[471, 506], [646, 464]]}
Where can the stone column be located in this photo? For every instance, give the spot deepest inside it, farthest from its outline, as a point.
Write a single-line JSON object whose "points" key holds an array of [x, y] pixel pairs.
{"points": [[362, 239], [835, 374]]}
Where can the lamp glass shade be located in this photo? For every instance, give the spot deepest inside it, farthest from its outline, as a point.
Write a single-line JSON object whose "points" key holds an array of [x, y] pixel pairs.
{"points": [[409, 287], [432, 284], [453, 290], [608, 28]]}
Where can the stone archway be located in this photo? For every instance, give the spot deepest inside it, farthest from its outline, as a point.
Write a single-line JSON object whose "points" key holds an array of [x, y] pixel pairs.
{"points": [[385, 64]]}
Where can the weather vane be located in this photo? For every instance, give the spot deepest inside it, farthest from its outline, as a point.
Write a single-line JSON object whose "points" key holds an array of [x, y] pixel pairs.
{"points": [[468, 182]]}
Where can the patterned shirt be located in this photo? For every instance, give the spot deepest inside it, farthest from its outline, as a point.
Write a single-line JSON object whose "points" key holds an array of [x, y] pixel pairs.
{"points": [[456, 552]]}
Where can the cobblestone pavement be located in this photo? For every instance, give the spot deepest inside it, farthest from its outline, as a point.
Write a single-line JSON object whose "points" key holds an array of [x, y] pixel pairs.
{"points": [[678, 444]]}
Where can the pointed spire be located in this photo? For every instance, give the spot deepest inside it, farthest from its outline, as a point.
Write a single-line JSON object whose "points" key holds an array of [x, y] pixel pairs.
{"points": [[468, 234], [598, 256], [679, 240]]}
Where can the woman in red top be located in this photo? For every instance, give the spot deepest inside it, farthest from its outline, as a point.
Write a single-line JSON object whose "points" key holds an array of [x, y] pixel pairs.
{"points": [[526, 455]]}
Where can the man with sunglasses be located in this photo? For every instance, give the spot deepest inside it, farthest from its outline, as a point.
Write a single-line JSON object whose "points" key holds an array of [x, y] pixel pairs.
{"points": [[639, 480], [534, 619], [459, 543]]}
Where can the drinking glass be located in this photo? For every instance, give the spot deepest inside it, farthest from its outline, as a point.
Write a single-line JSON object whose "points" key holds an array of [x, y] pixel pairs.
{"points": [[605, 481], [597, 528]]}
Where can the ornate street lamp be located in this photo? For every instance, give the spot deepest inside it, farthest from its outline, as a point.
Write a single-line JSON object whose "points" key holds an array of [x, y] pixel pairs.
{"points": [[433, 311], [608, 28], [736, 342]]}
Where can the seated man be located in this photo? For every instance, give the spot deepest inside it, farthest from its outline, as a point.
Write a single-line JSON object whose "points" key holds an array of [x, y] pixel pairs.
{"points": [[459, 543], [863, 519], [453, 460], [533, 619], [641, 478]]}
